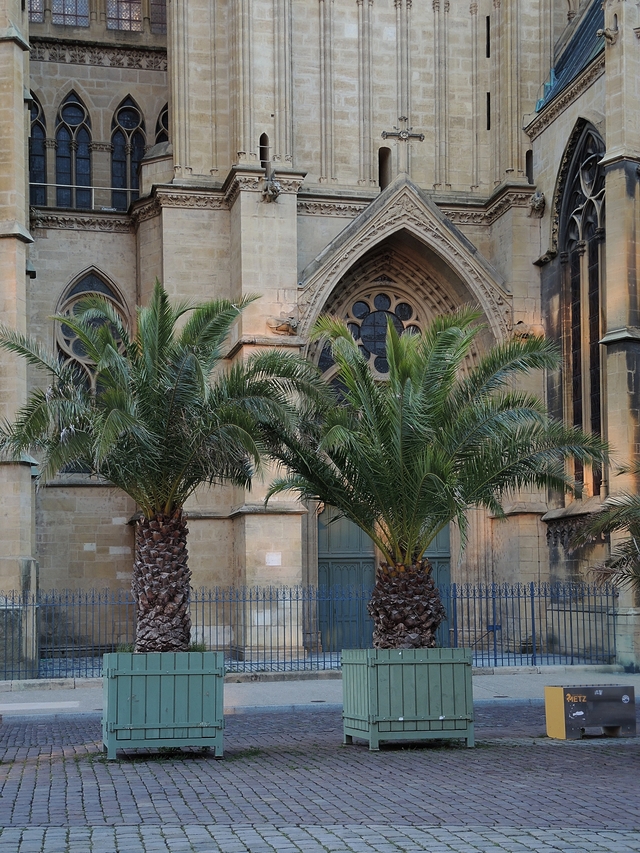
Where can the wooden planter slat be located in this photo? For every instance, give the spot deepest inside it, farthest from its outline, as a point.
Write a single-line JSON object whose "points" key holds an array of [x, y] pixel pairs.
{"points": [[408, 694], [163, 699]]}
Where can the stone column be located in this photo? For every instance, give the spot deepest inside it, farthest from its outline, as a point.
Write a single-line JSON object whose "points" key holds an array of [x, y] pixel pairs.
{"points": [[268, 541], [18, 568], [621, 298], [15, 475]]}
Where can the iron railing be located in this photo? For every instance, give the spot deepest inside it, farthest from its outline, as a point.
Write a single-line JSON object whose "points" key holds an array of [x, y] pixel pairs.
{"points": [[65, 633]]}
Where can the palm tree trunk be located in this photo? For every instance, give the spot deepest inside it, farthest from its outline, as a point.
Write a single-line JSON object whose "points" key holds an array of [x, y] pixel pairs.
{"points": [[405, 607], [161, 584]]}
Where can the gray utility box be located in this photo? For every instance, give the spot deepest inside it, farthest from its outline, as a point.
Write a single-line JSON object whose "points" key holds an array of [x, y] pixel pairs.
{"points": [[570, 711]]}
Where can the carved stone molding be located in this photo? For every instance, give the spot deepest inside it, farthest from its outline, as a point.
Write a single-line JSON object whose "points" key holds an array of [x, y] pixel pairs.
{"points": [[186, 200], [190, 199], [79, 221], [331, 208], [50, 50], [148, 209], [559, 104], [288, 185], [242, 183], [406, 211], [101, 146], [489, 212]]}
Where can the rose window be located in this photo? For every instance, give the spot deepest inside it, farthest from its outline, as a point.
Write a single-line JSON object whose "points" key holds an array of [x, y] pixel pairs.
{"points": [[368, 318]]}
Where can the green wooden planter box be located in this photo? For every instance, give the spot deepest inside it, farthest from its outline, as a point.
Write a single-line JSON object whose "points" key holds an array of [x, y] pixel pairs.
{"points": [[163, 699], [407, 694]]}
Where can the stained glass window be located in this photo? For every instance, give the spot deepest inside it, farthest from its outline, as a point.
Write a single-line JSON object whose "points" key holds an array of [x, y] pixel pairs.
{"points": [[158, 16], [37, 156], [70, 13], [70, 348], [162, 125], [73, 154], [128, 140], [367, 318], [124, 15], [36, 11], [582, 232]]}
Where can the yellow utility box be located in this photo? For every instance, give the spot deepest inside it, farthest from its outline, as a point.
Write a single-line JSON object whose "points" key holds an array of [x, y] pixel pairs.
{"points": [[570, 711]]}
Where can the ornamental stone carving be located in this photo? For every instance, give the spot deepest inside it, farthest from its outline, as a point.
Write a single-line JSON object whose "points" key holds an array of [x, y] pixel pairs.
{"points": [[73, 222], [537, 204], [331, 208], [50, 50]]}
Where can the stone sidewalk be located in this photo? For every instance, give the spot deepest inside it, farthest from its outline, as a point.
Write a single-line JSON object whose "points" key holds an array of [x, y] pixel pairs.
{"points": [[288, 784]]}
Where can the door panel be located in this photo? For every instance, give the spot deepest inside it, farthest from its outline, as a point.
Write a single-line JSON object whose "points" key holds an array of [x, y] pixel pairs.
{"points": [[346, 572]]}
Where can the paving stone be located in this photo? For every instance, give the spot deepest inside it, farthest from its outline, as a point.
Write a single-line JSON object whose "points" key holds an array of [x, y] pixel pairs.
{"points": [[287, 784]]}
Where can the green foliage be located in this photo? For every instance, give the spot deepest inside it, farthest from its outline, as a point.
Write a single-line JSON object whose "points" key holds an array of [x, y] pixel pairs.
{"points": [[166, 416], [620, 513], [404, 457]]}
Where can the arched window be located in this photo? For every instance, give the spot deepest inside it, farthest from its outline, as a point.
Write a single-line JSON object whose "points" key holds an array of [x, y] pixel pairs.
{"points": [[582, 243], [69, 347], [73, 154], [384, 167], [124, 15], [264, 152], [162, 125], [37, 156], [128, 141]]}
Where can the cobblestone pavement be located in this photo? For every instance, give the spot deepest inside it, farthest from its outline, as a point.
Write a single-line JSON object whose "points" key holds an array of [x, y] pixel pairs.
{"points": [[288, 784]]}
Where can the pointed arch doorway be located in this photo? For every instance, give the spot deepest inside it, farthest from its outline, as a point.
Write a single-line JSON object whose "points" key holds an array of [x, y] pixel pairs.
{"points": [[346, 567]]}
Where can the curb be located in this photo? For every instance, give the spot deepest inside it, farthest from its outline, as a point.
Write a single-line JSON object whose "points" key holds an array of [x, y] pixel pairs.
{"points": [[307, 675]]}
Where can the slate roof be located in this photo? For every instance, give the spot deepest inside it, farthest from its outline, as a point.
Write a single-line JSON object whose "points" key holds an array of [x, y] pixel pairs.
{"points": [[582, 48]]}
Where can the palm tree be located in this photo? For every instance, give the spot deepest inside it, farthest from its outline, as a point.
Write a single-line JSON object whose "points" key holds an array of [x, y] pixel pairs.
{"points": [[619, 513], [164, 418], [404, 457]]}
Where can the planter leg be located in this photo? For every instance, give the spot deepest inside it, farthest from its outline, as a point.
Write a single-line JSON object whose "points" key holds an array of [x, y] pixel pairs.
{"points": [[471, 741], [347, 739], [374, 742], [111, 752]]}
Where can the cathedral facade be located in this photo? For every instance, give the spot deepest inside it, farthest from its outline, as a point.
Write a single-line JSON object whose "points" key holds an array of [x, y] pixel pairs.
{"points": [[372, 158]]}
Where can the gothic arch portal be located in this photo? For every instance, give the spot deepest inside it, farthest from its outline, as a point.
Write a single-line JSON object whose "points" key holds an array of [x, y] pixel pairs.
{"points": [[404, 231]]}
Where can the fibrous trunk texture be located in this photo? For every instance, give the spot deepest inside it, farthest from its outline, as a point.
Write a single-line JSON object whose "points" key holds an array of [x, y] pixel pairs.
{"points": [[405, 607], [161, 584]]}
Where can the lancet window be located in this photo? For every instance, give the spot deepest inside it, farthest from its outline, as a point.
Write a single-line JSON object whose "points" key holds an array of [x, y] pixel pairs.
{"points": [[162, 125], [128, 141], [37, 156], [73, 154], [582, 234]]}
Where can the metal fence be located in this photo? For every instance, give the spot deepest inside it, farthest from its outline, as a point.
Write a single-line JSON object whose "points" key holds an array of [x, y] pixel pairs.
{"points": [[260, 629]]}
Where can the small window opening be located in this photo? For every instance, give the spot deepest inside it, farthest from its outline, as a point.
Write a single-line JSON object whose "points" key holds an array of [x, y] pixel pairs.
{"points": [[488, 110], [529, 166], [264, 152], [384, 167], [488, 37]]}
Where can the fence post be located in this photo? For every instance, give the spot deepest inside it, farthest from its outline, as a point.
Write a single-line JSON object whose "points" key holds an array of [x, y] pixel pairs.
{"points": [[495, 621], [532, 588], [454, 629]]}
